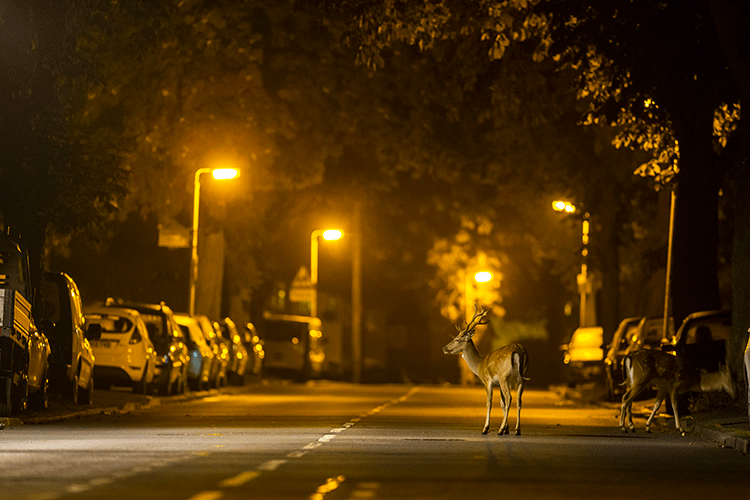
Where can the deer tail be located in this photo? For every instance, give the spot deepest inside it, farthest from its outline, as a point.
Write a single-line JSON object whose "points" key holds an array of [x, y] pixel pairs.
{"points": [[627, 364], [521, 361]]}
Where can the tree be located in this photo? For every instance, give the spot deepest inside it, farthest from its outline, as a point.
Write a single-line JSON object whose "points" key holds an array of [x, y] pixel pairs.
{"points": [[55, 175], [656, 71]]}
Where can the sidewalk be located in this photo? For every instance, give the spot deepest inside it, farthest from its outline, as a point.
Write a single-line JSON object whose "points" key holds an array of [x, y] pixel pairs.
{"points": [[729, 428], [726, 426]]}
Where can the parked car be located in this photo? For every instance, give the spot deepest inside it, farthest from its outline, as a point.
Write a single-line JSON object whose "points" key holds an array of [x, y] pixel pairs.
{"points": [[255, 348], [238, 355], [703, 338], [616, 350], [201, 354], [171, 347], [125, 354], [218, 377], [24, 350], [584, 355], [650, 334], [61, 319]]}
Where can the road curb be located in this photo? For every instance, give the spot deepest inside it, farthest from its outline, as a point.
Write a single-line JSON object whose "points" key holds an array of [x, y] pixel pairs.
{"points": [[102, 410], [727, 438]]}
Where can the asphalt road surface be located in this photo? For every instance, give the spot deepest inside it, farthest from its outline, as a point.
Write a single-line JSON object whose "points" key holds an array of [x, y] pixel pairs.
{"points": [[337, 441]]}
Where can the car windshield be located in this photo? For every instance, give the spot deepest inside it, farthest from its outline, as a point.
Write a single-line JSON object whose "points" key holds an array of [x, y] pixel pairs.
{"points": [[111, 324], [709, 331]]}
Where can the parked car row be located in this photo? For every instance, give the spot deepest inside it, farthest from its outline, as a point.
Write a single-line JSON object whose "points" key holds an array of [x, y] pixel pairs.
{"points": [[58, 346], [703, 338], [154, 349]]}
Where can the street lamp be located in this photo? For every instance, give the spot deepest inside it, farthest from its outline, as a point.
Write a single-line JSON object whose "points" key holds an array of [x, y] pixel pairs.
{"points": [[585, 287], [329, 235], [478, 277], [220, 174]]}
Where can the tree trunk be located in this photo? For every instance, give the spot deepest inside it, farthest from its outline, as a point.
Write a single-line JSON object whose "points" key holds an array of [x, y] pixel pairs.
{"points": [[731, 22], [695, 247]]}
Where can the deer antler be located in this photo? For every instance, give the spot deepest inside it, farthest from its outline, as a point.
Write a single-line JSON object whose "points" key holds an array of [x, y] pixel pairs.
{"points": [[479, 314]]}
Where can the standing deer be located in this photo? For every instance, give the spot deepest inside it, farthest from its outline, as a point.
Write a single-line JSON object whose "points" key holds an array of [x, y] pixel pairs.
{"points": [[504, 368], [671, 375]]}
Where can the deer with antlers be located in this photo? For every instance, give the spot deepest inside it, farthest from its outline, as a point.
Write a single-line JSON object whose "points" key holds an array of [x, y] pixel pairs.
{"points": [[504, 368]]}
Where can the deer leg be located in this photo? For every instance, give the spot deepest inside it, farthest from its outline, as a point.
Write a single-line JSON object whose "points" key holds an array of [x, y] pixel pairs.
{"points": [[626, 409], [677, 424], [660, 396], [518, 408], [507, 400], [489, 409]]}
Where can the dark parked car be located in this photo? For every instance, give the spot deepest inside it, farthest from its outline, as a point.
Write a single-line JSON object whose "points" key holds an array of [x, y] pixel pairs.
{"points": [[171, 370], [218, 377], [24, 350], [255, 349], [201, 353], [703, 338], [238, 356]]}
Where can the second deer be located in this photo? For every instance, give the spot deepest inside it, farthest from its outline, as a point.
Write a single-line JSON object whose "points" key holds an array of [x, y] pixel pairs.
{"points": [[671, 375], [504, 368]]}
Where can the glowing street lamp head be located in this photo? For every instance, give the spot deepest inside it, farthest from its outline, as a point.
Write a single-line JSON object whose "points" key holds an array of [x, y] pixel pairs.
{"points": [[483, 277], [563, 206], [225, 173], [332, 234]]}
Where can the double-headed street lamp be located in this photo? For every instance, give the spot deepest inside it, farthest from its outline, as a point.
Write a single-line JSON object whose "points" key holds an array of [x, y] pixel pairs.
{"points": [[220, 174], [587, 313]]}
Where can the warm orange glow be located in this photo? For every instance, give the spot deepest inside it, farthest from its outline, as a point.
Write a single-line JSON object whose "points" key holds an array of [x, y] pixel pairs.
{"points": [[563, 206], [332, 234], [225, 173], [483, 277]]}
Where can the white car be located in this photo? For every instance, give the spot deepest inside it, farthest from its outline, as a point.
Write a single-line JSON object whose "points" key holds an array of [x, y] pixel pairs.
{"points": [[125, 355]]}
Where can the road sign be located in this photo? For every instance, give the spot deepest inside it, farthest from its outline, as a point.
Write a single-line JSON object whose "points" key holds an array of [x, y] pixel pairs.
{"points": [[302, 289]]}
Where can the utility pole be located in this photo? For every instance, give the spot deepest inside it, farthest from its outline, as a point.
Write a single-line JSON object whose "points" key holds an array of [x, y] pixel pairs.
{"points": [[357, 293]]}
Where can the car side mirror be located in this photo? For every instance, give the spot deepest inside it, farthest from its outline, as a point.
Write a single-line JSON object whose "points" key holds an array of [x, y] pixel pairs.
{"points": [[94, 331]]}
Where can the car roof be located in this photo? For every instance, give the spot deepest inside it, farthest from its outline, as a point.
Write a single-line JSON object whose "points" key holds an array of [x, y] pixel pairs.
{"points": [[184, 318], [142, 307], [701, 315], [123, 311]]}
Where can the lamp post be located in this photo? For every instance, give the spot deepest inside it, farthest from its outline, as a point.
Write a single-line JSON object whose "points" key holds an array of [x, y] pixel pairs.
{"points": [[327, 234], [218, 173], [585, 287]]}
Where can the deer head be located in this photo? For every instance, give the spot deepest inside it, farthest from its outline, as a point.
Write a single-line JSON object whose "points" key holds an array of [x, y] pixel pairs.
{"points": [[457, 345]]}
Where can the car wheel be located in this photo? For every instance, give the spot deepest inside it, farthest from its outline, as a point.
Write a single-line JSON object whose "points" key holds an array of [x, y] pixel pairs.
{"points": [[141, 387], [5, 397], [20, 396], [40, 399], [73, 388], [86, 395]]}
